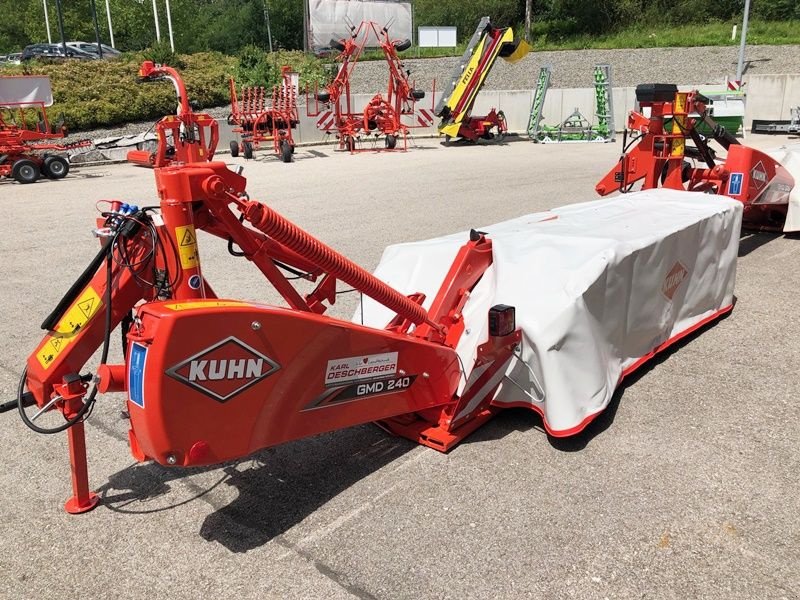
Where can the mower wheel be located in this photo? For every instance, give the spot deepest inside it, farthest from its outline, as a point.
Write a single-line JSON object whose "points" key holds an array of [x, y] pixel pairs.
{"points": [[350, 143], [417, 94], [234, 149], [286, 151], [502, 126], [247, 150], [390, 141], [25, 171], [55, 167], [401, 45]]}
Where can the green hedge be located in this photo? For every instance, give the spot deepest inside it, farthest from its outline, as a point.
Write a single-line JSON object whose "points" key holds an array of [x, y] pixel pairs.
{"points": [[97, 94]]}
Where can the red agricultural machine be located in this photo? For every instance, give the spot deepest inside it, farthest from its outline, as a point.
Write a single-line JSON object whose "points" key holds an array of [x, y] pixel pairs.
{"points": [[182, 138], [258, 122], [382, 116], [662, 157], [25, 131]]}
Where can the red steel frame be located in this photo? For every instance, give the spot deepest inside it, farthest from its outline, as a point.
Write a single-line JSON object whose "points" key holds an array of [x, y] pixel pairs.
{"points": [[659, 159], [256, 122], [211, 197], [382, 115], [188, 140], [18, 141]]}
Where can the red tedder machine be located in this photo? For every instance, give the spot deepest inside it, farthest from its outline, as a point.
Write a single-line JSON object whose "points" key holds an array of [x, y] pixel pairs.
{"points": [[25, 131], [258, 122], [183, 137], [382, 116], [663, 158]]}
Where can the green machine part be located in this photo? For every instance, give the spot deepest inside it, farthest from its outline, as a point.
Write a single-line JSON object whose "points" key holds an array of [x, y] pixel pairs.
{"points": [[542, 83]]}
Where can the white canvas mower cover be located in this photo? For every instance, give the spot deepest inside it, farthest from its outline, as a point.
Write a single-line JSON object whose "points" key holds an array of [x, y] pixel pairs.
{"points": [[598, 288], [789, 157]]}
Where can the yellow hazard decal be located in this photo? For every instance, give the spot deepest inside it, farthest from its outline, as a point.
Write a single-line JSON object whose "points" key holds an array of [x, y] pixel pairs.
{"points": [[187, 246], [70, 325], [193, 304]]}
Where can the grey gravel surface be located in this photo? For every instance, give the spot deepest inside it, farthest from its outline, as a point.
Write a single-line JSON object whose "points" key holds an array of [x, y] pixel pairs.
{"points": [[686, 487], [573, 68]]}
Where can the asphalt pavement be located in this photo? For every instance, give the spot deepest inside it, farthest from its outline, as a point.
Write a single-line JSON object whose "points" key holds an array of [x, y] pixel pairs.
{"points": [[688, 486]]}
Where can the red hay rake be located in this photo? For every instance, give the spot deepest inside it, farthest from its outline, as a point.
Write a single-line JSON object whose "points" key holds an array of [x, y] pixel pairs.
{"points": [[258, 122]]}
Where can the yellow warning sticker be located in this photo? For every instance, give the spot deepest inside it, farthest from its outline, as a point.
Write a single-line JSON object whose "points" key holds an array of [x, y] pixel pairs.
{"points": [[69, 326], [187, 246], [204, 304]]}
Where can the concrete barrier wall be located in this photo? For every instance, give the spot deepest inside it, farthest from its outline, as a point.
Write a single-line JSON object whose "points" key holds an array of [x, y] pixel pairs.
{"points": [[768, 97]]}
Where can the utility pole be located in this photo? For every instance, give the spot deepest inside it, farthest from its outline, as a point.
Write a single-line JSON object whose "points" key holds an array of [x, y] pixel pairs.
{"points": [[61, 27], [47, 22], [740, 66], [96, 28], [110, 27], [305, 25], [266, 19], [528, 11]]}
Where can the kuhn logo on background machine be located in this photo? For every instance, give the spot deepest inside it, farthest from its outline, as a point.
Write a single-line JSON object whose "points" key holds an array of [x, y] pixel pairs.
{"points": [[225, 369]]}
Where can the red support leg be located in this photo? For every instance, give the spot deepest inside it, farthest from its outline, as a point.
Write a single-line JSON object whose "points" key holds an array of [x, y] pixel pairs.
{"points": [[82, 499]]}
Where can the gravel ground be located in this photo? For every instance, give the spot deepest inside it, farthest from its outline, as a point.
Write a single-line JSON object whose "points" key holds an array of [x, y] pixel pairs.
{"points": [[571, 69]]}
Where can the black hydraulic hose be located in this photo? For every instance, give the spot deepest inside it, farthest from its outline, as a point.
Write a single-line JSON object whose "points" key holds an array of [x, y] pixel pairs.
{"points": [[52, 320]]}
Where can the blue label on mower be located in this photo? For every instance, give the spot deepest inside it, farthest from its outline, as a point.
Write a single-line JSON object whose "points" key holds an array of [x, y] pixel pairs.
{"points": [[136, 364], [735, 184]]}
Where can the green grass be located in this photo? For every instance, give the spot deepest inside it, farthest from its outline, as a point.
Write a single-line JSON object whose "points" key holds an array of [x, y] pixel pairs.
{"points": [[769, 33], [709, 34]]}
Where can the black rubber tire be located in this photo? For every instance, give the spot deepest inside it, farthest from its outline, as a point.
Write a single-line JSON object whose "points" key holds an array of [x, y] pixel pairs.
{"points": [[501, 116], [234, 149], [247, 150], [25, 171], [401, 45], [417, 94], [447, 141], [390, 141], [286, 151], [324, 96], [55, 167], [337, 45], [350, 143]]}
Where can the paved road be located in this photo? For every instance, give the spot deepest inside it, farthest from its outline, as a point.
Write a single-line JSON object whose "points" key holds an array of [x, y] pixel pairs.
{"points": [[686, 487]]}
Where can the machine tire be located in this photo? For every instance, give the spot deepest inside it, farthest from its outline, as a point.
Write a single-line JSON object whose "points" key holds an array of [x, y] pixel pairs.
{"points": [[55, 167], [390, 141], [447, 141], [247, 150], [417, 94], [234, 149], [286, 151], [401, 45], [25, 171], [350, 143]]}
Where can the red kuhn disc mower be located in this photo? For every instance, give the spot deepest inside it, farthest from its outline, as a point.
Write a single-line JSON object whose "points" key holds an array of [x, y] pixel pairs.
{"points": [[382, 115], [25, 131], [183, 137], [548, 311], [670, 152], [257, 121]]}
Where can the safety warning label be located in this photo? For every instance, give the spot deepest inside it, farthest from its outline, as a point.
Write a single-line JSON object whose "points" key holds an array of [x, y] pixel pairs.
{"points": [[69, 326], [187, 246]]}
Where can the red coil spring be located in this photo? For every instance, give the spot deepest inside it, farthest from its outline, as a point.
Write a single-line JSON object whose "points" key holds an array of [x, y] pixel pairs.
{"points": [[287, 233]]}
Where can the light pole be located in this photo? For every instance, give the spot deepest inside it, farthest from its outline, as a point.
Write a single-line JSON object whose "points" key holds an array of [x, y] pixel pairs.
{"points": [[169, 26], [155, 17], [269, 29], [110, 27], [47, 22], [740, 66]]}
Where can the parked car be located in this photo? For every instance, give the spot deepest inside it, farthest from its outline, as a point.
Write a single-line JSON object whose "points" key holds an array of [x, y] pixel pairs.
{"points": [[54, 51], [10, 59], [91, 48]]}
